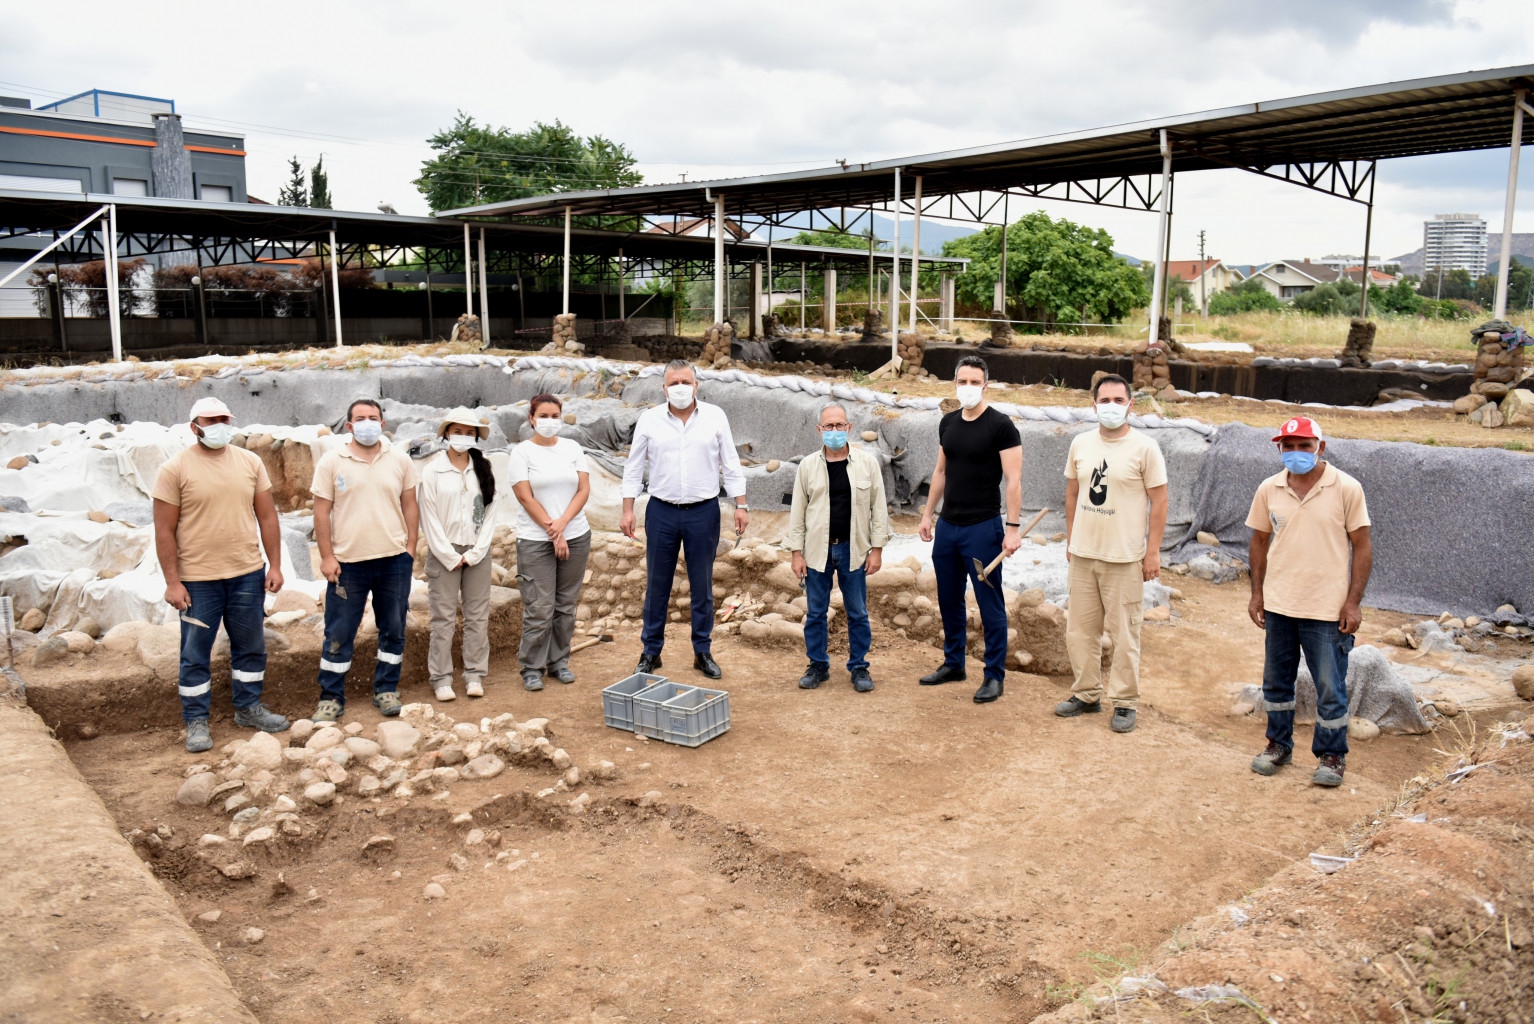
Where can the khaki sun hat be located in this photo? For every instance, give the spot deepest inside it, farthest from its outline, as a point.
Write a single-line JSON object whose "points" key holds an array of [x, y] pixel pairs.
{"points": [[464, 418]]}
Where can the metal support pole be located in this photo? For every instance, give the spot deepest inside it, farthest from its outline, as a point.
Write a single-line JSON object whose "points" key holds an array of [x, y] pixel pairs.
{"points": [[895, 274], [1001, 282], [1504, 261], [1363, 284], [622, 281], [428, 331], [114, 311], [1158, 281], [468, 273], [801, 296], [202, 310], [829, 312], [768, 310], [565, 308], [754, 322], [1166, 253], [335, 282], [915, 251], [56, 310], [484, 295], [719, 283]]}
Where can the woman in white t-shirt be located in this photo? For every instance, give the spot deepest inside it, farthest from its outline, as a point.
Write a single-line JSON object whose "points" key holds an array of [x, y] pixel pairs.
{"points": [[551, 479]]}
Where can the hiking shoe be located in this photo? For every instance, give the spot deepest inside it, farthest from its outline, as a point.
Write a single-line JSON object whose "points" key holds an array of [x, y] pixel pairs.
{"points": [[1274, 757], [813, 676], [198, 736], [388, 702], [1075, 706], [474, 688], [1329, 772], [1123, 720], [259, 716], [327, 712], [862, 682], [563, 674], [445, 692], [532, 681]]}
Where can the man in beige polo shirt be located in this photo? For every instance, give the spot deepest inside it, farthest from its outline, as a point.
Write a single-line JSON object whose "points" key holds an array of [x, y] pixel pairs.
{"points": [[210, 500], [1311, 557], [365, 519], [1113, 541]]}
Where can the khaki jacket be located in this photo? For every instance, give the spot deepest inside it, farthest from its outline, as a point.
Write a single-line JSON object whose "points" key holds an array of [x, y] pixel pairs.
{"points": [[809, 524]]}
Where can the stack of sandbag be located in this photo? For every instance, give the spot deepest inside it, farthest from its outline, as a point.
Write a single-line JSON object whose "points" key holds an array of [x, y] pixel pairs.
{"points": [[911, 348], [466, 329], [716, 344], [1153, 371], [1358, 350]]}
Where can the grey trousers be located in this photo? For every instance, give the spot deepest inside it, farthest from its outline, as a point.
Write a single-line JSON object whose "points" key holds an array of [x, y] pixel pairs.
{"points": [[550, 589], [446, 588]]}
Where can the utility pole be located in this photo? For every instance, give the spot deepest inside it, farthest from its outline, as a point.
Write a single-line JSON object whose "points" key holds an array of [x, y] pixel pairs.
{"points": [[1203, 271]]}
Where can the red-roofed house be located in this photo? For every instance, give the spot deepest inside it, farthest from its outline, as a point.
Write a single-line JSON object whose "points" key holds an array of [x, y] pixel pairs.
{"points": [[1215, 274]]}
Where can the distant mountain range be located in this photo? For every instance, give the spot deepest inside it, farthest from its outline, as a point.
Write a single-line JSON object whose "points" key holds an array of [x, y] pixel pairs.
{"points": [[1523, 245]]}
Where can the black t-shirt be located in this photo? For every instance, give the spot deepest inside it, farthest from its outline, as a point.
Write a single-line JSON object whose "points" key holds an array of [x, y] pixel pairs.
{"points": [[841, 501], [972, 492]]}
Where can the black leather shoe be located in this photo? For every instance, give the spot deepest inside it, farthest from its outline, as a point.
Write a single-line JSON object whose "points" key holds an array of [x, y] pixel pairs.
{"points": [[813, 676], [862, 682], [989, 691], [706, 664], [946, 674], [648, 663]]}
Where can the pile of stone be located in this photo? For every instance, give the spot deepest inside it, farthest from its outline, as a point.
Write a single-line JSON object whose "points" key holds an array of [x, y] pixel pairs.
{"points": [[1153, 371], [716, 345], [466, 329], [1495, 399], [1358, 350], [1002, 335], [563, 337], [911, 348], [873, 326]]}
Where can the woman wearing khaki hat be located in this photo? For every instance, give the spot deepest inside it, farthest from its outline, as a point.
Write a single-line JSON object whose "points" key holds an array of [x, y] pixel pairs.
{"points": [[456, 490]]}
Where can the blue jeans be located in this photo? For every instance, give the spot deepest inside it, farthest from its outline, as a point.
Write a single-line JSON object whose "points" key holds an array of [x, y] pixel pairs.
{"points": [[954, 549], [388, 580], [695, 531], [1326, 655], [817, 595], [239, 603]]}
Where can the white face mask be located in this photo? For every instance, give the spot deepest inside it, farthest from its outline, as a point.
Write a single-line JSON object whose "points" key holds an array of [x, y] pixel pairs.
{"points": [[216, 435], [548, 426], [1112, 415], [462, 442], [367, 432], [969, 394], [679, 395]]}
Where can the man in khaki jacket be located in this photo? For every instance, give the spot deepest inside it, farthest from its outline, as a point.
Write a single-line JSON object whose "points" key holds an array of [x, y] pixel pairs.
{"points": [[838, 524]]}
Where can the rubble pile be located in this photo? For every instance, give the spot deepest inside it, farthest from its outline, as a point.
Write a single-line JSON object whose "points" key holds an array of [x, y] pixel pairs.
{"points": [[1358, 350], [716, 345], [563, 337]]}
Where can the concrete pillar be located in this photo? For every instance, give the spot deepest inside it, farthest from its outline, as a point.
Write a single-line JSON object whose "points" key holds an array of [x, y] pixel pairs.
{"points": [[114, 310], [756, 299], [335, 280], [945, 304], [720, 309], [1509, 204], [565, 307], [1158, 283], [468, 273], [484, 294], [828, 320]]}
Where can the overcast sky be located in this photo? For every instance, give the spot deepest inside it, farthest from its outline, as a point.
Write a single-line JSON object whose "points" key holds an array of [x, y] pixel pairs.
{"points": [[715, 89]]}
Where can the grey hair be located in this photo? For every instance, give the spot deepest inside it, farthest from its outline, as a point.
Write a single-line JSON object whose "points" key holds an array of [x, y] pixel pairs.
{"points": [[680, 364], [832, 405]]}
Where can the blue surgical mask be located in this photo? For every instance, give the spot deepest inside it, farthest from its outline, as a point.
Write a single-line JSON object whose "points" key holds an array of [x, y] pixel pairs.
{"points": [[216, 435], [1299, 463], [835, 440], [367, 432]]}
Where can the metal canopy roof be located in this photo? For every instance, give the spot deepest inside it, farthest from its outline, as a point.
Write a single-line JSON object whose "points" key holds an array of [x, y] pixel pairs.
{"points": [[1308, 137]]}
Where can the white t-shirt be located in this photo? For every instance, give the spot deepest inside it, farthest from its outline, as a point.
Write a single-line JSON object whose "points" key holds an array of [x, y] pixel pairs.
{"points": [[554, 471]]}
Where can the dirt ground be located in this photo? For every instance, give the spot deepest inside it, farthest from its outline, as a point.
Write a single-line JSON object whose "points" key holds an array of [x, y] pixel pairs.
{"points": [[904, 854]]}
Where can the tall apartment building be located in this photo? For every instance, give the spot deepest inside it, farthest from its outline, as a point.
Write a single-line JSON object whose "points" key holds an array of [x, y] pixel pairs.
{"points": [[1454, 241]]}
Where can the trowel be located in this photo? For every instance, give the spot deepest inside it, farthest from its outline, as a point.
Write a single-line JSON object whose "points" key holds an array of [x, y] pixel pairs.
{"points": [[983, 572]]}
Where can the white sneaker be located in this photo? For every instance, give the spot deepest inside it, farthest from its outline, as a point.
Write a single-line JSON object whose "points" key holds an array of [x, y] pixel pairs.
{"points": [[474, 688], [445, 692]]}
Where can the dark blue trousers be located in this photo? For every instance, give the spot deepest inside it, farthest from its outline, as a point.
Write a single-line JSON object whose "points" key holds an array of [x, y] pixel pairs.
{"points": [[239, 603], [1326, 655], [695, 531], [954, 549], [388, 579]]}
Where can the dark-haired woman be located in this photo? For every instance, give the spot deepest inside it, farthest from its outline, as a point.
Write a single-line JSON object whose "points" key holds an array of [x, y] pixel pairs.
{"points": [[552, 480], [456, 490]]}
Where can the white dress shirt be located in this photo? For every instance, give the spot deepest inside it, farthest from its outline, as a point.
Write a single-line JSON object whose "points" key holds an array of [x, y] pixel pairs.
{"points": [[685, 460]]}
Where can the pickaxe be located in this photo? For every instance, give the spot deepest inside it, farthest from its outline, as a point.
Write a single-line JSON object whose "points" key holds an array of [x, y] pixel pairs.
{"points": [[983, 572]]}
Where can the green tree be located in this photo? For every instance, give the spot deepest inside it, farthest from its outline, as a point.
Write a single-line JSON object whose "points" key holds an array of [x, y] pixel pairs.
{"points": [[1057, 271], [838, 239], [319, 186], [294, 193], [1519, 277], [477, 163], [1400, 298], [1325, 300], [1243, 297], [1457, 284]]}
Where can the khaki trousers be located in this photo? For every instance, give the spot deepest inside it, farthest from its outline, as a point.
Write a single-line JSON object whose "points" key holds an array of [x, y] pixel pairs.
{"points": [[551, 590], [447, 588], [1105, 596]]}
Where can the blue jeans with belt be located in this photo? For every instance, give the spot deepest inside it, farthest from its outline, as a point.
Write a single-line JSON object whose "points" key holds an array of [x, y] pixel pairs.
{"points": [[388, 580], [1326, 655], [239, 603], [954, 552], [817, 598], [693, 529]]}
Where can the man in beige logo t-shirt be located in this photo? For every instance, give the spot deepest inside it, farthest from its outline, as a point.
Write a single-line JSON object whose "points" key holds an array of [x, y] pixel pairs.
{"points": [[1113, 529]]}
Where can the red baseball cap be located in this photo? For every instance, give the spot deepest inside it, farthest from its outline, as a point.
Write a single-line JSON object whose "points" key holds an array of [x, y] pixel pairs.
{"points": [[1300, 426]]}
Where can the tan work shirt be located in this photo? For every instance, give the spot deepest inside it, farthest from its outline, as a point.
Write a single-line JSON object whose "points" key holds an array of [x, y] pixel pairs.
{"points": [[809, 517], [1310, 558], [367, 520], [1111, 520], [216, 535]]}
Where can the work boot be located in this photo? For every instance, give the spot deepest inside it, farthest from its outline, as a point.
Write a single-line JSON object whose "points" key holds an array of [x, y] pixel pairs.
{"points": [[813, 676], [862, 682], [198, 736], [1273, 758], [1076, 706], [563, 674], [259, 716], [532, 680], [387, 702], [1329, 772], [945, 674], [327, 712], [1123, 720], [989, 690]]}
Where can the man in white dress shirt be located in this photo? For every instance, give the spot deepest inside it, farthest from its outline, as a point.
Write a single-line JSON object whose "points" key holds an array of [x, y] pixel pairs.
{"points": [[686, 447]]}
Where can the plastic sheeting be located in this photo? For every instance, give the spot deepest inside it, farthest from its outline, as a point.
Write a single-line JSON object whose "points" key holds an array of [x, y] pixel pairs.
{"points": [[1376, 691]]}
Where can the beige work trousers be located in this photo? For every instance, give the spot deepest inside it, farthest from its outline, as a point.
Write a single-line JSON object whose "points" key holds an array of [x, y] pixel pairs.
{"points": [[446, 589], [1105, 596]]}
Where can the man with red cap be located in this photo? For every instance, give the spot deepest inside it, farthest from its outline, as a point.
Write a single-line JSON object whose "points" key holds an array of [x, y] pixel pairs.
{"points": [[1310, 557]]}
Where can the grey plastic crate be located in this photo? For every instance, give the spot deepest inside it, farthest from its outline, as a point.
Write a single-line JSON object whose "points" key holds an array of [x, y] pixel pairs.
{"points": [[618, 699], [695, 717], [647, 706]]}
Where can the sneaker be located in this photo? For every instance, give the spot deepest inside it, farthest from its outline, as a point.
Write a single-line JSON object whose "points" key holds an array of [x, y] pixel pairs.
{"points": [[445, 692], [563, 674], [862, 682], [1123, 720], [1075, 706], [198, 736], [813, 676], [532, 681], [388, 702], [474, 688], [259, 716], [1273, 758], [1329, 772], [328, 712]]}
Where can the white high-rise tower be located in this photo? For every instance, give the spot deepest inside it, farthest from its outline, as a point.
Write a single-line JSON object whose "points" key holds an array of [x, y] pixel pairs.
{"points": [[1454, 241]]}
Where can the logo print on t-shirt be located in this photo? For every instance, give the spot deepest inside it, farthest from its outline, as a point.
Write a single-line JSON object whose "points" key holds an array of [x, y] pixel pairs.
{"points": [[1099, 489]]}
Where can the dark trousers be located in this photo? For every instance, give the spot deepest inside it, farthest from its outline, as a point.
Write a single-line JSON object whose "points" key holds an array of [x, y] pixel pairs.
{"points": [[954, 549], [239, 603], [388, 580], [695, 531], [817, 598], [1326, 655]]}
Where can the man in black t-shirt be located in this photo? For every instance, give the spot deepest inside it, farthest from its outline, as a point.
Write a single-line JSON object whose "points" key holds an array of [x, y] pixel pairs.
{"points": [[978, 447]]}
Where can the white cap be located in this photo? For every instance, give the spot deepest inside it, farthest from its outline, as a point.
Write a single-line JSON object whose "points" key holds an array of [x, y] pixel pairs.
{"points": [[210, 407]]}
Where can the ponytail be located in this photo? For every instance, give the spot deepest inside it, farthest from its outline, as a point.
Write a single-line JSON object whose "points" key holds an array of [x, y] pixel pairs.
{"points": [[484, 474]]}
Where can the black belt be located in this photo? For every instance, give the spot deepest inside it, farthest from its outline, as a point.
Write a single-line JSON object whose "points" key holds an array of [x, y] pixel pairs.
{"points": [[689, 505]]}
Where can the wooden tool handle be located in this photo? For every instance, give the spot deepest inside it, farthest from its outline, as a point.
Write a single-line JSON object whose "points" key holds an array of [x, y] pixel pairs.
{"points": [[997, 560]]}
